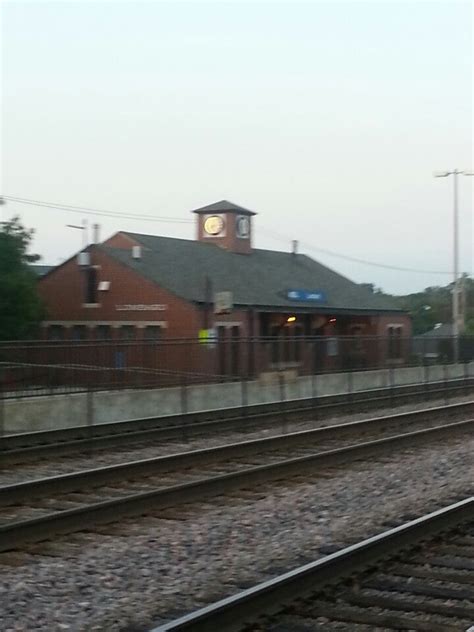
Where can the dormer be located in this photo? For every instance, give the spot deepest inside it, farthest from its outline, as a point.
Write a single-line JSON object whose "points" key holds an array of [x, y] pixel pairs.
{"points": [[227, 225]]}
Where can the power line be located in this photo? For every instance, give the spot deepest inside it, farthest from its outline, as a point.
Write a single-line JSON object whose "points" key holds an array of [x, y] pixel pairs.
{"points": [[366, 262], [84, 210]]}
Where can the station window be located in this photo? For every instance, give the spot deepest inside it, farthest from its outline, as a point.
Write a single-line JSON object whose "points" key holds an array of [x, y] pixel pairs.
{"points": [[79, 332], [332, 347], [56, 332], [286, 343], [152, 332], [274, 333], [104, 332], [234, 350], [297, 343], [127, 332], [91, 286], [357, 331], [395, 341]]}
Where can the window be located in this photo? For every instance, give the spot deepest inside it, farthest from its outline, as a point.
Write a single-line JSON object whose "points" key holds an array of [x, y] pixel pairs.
{"points": [[357, 331], [221, 348], [79, 332], [394, 341], [127, 332], [332, 347], [152, 332], [286, 343], [298, 334], [274, 332], [91, 286], [234, 350], [55, 332], [104, 332]]}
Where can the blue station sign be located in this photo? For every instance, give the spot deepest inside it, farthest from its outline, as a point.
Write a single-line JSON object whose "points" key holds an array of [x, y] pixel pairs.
{"points": [[306, 296]]}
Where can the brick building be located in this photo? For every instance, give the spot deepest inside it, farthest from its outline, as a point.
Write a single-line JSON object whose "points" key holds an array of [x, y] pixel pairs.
{"points": [[145, 287]]}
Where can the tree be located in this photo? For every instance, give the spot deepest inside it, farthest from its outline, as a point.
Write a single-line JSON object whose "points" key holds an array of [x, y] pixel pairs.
{"points": [[434, 305], [373, 289], [20, 307]]}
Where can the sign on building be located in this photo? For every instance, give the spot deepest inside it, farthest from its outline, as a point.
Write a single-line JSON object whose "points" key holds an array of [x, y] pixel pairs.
{"points": [[223, 303], [141, 308], [208, 336], [307, 296]]}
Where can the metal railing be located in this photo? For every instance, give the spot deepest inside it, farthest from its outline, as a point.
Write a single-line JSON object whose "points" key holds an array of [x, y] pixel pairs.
{"points": [[45, 367]]}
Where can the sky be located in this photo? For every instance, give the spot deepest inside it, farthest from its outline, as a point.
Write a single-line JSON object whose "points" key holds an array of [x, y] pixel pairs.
{"points": [[326, 118]]}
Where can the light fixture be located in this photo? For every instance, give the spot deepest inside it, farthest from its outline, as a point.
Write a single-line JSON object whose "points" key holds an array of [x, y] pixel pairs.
{"points": [[291, 319], [332, 320]]}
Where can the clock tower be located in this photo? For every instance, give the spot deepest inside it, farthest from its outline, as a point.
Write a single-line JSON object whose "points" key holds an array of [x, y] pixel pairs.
{"points": [[227, 225]]}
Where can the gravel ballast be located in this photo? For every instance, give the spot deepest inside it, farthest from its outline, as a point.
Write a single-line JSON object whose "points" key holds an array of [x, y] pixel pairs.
{"points": [[150, 569]]}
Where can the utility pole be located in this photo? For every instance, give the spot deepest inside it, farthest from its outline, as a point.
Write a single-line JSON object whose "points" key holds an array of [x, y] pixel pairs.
{"points": [[455, 295]]}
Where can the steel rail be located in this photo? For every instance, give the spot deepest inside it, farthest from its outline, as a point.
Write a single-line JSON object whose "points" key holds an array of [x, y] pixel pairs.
{"points": [[94, 477], [68, 440], [15, 534], [230, 614]]}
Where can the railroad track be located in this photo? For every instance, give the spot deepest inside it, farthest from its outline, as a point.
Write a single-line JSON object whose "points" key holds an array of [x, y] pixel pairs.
{"points": [[18, 448], [417, 576], [55, 465], [39, 509]]}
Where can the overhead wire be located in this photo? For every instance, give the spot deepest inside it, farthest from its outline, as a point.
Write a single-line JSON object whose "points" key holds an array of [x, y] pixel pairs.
{"points": [[352, 259], [164, 219], [84, 210]]}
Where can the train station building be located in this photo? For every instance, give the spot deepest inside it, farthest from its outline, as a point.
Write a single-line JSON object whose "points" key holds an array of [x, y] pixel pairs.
{"points": [[216, 287]]}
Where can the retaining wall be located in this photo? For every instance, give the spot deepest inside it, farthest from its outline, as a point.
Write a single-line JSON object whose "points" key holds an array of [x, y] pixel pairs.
{"points": [[63, 411]]}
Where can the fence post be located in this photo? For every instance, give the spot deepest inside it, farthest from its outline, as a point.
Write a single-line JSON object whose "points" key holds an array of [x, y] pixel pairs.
{"points": [[250, 356], [50, 380], [2, 402], [90, 411], [426, 379], [445, 379], [314, 391], [184, 396], [350, 386], [245, 396], [391, 375], [281, 382], [184, 405]]}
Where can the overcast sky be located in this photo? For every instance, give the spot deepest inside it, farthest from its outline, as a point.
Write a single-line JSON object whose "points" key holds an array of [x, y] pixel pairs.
{"points": [[327, 118]]}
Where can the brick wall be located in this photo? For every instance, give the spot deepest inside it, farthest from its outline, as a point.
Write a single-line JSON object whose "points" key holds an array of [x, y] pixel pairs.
{"points": [[64, 294]]}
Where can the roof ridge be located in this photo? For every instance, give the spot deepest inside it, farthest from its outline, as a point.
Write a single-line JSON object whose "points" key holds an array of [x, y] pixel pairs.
{"points": [[129, 233]]}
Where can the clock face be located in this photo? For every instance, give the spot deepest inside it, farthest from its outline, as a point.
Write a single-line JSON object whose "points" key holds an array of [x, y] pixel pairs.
{"points": [[243, 226], [214, 225]]}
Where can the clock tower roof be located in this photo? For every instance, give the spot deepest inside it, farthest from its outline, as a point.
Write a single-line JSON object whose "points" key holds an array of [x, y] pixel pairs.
{"points": [[226, 225], [224, 206]]}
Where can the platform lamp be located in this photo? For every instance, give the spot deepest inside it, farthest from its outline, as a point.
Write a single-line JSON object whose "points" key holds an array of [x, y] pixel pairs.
{"points": [[455, 298]]}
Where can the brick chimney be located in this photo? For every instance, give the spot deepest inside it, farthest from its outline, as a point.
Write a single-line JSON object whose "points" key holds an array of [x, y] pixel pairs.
{"points": [[227, 225]]}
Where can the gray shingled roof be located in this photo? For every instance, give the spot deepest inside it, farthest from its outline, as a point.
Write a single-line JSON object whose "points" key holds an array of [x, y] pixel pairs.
{"points": [[260, 279], [440, 330], [222, 207], [39, 269]]}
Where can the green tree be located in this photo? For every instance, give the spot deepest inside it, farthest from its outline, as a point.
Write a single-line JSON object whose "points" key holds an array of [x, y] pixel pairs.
{"points": [[434, 305], [20, 307]]}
